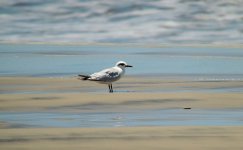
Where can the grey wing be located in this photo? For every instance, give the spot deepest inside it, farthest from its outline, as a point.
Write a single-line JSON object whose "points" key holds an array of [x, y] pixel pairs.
{"points": [[108, 75]]}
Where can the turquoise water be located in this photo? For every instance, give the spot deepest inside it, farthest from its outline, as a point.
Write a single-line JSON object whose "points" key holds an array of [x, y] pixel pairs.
{"points": [[161, 117], [63, 60]]}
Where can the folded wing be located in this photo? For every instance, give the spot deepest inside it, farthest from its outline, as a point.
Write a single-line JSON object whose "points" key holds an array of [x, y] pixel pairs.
{"points": [[107, 75]]}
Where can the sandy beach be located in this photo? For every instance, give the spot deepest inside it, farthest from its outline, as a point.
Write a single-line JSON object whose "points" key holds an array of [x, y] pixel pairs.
{"points": [[70, 94], [168, 138], [42, 94]]}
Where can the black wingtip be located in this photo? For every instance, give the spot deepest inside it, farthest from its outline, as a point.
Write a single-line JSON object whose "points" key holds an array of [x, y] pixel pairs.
{"points": [[83, 77]]}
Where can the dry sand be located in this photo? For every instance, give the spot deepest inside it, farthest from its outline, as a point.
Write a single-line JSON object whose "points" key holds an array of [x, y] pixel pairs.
{"points": [[68, 94]]}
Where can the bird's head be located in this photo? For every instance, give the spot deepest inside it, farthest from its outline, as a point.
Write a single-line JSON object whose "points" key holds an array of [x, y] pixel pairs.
{"points": [[122, 64]]}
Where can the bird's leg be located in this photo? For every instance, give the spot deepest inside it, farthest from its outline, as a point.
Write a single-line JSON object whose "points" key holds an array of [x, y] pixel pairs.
{"points": [[111, 89]]}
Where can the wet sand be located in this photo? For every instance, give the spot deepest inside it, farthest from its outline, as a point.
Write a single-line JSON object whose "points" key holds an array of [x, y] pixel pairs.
{"points": [[28, 94], [70, 94], [168, 138]]}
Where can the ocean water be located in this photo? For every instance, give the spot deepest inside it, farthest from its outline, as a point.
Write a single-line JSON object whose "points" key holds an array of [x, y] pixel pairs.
{"points": [[126, 21], [70, 60]]}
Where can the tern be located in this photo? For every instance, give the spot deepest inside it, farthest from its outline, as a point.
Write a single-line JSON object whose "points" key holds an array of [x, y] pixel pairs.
{"points": [[107, 76]]}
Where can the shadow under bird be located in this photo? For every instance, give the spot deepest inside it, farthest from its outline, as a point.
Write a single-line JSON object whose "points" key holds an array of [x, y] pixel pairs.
{"points": [[107, 76]]}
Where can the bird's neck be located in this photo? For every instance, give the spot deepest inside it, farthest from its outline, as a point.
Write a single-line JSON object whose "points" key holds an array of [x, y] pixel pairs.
{"points": [[122, 69]]}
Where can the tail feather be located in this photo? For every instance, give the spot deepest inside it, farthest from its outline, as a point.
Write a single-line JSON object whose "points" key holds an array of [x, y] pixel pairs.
{"points": [[83, 77]]}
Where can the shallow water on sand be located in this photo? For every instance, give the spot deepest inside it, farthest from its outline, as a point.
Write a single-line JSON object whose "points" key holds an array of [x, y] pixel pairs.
{"points": [[210, 64], [160, 117]]}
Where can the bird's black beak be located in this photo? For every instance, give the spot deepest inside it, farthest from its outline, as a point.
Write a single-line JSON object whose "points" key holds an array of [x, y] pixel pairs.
{"points": [[128, 66]]}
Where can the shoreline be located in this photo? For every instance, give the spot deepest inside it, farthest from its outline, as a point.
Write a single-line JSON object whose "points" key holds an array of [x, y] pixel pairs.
{"points": [[126, 44]]}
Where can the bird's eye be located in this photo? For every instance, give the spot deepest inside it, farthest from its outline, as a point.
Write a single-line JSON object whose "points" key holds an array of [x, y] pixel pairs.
{"points": [[121, 64]]}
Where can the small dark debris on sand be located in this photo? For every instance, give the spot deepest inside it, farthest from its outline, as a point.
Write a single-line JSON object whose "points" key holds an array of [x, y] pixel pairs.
{"points": [[187, 108]]}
